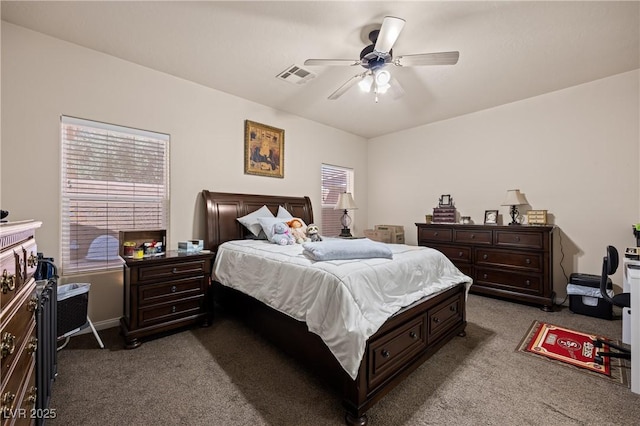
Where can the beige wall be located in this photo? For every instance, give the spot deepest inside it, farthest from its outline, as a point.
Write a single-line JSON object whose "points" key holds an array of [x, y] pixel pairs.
{"points": [[573, 152], [43, 78]]}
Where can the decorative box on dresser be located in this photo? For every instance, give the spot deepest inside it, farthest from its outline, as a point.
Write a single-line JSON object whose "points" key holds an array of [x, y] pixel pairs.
{"points": [[18, 303], [165, 292], [513, 262]]}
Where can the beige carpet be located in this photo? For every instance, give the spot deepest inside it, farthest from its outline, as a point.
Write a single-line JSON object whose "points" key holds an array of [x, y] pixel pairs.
{"points": [[227, 375]]}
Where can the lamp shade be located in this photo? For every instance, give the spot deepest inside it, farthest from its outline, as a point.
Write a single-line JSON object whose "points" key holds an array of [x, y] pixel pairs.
{"points": [[514, 198], [345, 202]]}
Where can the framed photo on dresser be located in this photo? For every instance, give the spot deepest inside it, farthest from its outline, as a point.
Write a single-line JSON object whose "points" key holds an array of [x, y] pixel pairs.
{"points": [[491, 217]]}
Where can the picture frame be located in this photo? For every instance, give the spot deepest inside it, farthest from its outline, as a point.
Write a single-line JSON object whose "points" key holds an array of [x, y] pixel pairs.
{"points": [[445, 200], [263, 150], [491, 217]]}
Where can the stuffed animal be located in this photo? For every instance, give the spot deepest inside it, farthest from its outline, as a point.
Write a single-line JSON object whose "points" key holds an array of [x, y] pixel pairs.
{"points": [[313, 233], [282, 234], [298, 230]]}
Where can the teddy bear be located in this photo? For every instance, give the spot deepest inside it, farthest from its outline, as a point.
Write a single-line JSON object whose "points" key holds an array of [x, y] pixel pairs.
{"points": [[313, 233], [298, 230], [282, 234]]}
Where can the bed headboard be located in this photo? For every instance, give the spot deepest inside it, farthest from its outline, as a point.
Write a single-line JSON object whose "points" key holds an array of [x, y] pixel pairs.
{"points": [[222, 209]]}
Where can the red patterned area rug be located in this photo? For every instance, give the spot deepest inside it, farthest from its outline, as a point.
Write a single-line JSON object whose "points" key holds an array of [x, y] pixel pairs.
{"points": [[574, 349]]}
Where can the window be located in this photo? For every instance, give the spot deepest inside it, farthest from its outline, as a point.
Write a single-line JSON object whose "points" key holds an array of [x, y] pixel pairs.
{"points": [[335, 181], [113, 178]]}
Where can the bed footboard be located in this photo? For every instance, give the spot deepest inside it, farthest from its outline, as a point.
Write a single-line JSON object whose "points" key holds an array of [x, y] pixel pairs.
{"points": [[400, 346]]}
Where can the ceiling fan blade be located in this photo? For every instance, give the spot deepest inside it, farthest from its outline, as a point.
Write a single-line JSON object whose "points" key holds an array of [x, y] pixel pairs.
{"points": [[389, 32], [332, 62], [346, 86], [439, 58]]}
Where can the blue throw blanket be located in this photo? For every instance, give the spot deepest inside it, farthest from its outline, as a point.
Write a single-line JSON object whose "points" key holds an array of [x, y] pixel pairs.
{"points": [[362, 248]]}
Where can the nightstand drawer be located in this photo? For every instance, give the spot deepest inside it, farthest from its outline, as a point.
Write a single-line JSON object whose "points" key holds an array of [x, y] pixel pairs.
{"points": [[14, 333], [435, 234], [170, 311], [173, 290], [529, 261], [175, 270]]}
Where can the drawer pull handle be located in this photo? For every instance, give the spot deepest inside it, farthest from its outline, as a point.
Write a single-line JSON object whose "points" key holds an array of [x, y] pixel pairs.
{"points": [[173, 289], [175, 270], [452, 308], [485, 257], [527, 261], [32, 395], [32, 347], [33, 304], [173, 309], [436, 320], [32, 260], [485, 276], [7, 400], [385, 353], [413, 335], [460, 254], [435, 234], [8, 344], [8, 282], [473, 236], [527, 283], [517, 238]]}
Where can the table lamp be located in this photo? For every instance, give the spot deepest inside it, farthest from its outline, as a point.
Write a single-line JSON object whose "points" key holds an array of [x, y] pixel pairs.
{"points": [[346, 203], [514, 199]]}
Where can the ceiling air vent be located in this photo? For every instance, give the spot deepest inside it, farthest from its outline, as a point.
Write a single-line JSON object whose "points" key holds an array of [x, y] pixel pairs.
{"points": [[296, 75]]}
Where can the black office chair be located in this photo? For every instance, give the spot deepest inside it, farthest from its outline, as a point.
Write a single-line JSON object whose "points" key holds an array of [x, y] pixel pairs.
{"points": [[623, 300]]}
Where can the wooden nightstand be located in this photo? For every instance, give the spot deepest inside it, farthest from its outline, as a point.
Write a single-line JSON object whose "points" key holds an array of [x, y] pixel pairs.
{"points": [[166, 292]]}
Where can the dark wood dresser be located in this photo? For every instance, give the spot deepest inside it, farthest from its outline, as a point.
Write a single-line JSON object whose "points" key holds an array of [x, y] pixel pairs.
{"points": [[513, 262], [163, 293], [18, 303]]}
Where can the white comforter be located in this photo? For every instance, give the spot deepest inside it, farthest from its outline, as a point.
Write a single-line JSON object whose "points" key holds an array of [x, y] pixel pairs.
{"points": [[343, 301]]}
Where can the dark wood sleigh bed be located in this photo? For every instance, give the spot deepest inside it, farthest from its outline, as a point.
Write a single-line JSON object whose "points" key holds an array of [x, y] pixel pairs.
{"points": [[401, 345]]}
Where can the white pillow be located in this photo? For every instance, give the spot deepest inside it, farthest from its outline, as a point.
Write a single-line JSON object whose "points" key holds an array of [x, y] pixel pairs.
{"points": [[283, 213], [250, 221], [267, 225]]}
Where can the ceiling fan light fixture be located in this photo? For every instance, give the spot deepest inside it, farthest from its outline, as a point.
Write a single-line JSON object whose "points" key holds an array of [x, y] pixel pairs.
{"points": [[382, 78], [365, 83]]}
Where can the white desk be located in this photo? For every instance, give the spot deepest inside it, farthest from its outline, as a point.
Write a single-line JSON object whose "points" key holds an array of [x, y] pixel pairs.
{"points": [[631, 324]]}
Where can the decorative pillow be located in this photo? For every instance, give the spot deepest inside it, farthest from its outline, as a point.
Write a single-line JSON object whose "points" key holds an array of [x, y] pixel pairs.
{"points": [[250, 221], [267, 225], [283, 213]]}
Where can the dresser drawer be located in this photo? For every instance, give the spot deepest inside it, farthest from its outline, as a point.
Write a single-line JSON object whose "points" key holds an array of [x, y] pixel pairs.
{"points": [[519, 239], [388, 351], [15, 332], [472, 237], [170, 311], [435, 234], [25, 361], [173, 290], [175, 270], [444, 316], [526, 261], [29, 259], [528, 283], [454, 253]]}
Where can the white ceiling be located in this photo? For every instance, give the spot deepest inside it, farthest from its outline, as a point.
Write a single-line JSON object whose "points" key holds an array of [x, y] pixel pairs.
{"points": [[509, 50]]}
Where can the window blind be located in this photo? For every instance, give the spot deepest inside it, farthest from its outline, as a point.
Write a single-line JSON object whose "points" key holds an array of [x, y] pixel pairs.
{"points": [[335, 181], [113, 178]]}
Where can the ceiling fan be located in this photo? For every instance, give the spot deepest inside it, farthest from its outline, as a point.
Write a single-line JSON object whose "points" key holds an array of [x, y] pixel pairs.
{"points": [[375, 57]]}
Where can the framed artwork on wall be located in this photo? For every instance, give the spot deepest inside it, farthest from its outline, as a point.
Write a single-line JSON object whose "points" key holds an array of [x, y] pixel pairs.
{"points": [[491, 217], [263, 150]]}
